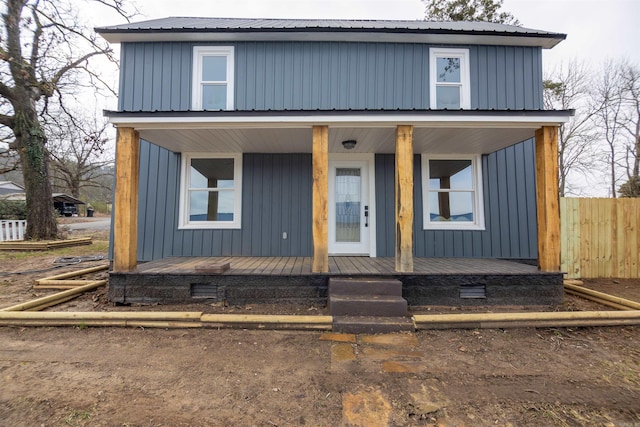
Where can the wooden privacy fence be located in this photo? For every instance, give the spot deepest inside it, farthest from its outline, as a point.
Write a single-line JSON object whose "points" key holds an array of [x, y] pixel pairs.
{"points": [[600, 237], [12, 230]]}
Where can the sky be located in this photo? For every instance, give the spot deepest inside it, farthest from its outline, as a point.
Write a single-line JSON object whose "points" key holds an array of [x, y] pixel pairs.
{"points": [[597, 30]]}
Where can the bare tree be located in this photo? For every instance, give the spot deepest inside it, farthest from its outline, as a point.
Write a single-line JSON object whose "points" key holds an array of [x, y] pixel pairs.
{"points": [[630, 80], [608, 99], [567, 87], [9, 161], [79, 149], [43, 51], [468, 10], [617, 96]]}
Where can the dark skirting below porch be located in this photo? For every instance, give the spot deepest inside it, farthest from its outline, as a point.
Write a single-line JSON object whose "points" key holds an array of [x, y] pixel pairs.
{"points": [[435, 281]]}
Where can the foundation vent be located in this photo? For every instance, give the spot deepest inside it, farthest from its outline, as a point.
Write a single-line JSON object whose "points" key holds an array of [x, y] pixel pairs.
{"points": [[208, 291], [473, 292]]}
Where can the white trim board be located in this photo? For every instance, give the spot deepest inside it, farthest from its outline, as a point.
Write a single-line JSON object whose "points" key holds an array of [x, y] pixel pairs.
{"points": [[357, 120], [544, 41]]}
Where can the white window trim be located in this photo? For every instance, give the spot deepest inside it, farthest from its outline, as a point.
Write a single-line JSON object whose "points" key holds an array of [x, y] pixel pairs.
{"points": [[465, 75], [200, 52], [183, 217], [478, 200]]}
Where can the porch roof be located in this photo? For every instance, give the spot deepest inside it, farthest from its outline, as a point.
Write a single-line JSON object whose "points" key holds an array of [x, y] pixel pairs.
{"points": [[435, 131]]}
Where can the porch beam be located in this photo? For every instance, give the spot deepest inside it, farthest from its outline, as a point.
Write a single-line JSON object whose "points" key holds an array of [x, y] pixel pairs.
{"points": [[125, 230], [547, 198], [404, 198], [320, 199]]}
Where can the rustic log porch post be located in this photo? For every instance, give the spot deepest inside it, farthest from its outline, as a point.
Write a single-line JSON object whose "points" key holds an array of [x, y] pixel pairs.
{"points": [[547, 198], [404, 198], [125, 230], [320, 197]]}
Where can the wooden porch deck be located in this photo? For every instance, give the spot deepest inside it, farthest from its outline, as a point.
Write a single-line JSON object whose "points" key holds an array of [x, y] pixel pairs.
{"points": [[434, 281], [343, 265]]}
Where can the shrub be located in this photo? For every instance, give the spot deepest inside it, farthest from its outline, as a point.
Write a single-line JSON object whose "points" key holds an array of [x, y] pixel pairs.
{"points": [[13, 209], [630, 188]]}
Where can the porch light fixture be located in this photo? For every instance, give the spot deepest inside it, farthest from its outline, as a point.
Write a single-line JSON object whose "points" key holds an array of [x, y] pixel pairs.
{"points": [[349, 144]]}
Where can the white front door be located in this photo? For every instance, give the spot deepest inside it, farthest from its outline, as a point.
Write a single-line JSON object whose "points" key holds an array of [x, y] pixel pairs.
{"points": [[351, 217]]}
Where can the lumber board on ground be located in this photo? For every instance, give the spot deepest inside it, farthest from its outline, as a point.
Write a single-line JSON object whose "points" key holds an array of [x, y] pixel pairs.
{"points": [[44, 245]]}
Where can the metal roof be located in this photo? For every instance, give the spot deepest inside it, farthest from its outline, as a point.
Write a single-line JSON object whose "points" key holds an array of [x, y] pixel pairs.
{"points": [[237, 29], [57, 197], [65, 198]]}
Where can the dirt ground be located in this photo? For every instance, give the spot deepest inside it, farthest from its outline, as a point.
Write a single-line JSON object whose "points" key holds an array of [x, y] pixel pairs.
{"points": [[76, 376]]}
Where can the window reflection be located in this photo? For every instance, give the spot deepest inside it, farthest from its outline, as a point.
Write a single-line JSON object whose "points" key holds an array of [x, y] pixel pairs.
{"points": [[454, 206], [214, 96], [347, 193], [451, 192], [211, 190], [448, 69], [211, 206], [214, 68], [448, 97], [445, 174]]}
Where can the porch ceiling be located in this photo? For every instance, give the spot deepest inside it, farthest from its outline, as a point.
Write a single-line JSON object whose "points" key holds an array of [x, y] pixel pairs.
{"points": [[369, 140], [438, 132]]}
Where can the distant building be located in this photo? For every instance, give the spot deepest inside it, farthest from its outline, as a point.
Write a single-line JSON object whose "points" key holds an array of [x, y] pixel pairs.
{"points": [[64, 204], [8, 187]]}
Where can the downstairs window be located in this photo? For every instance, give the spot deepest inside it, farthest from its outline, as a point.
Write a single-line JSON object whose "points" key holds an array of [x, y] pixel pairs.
{"points": [[452, 192], [211, 191]]}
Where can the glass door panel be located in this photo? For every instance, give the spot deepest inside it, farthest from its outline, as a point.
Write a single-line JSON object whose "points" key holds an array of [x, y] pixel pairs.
{"points": [[348, 191]]}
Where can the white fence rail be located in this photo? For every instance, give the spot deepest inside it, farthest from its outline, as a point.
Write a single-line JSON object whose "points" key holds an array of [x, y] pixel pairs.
{"points": [[11, 230]]}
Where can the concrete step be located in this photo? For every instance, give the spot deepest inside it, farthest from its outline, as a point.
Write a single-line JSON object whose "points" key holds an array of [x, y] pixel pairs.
{"points": [[372, 305], [364, 286], [372, 324]]}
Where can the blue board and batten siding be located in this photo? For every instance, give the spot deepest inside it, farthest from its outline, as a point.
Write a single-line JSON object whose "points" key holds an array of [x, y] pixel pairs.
{"points": [[276, 199], [322, 75], [508, 181], [277, 187]]}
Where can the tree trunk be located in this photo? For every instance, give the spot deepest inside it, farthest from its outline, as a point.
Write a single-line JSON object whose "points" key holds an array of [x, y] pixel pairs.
{"points": [[636, 163], [612, 165], [75, 186], [41, 222]]}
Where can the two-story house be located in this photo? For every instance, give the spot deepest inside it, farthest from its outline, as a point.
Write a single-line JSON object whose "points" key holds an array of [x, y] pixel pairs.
{"points": [[301, 149]]}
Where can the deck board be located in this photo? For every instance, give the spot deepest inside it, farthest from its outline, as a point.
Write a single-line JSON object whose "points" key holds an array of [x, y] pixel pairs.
{"points": [[301, 266], [333, 266], [279, 267]]}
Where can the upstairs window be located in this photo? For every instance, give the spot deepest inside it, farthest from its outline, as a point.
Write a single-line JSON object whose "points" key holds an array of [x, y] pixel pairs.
{"points": [[212, 78], [449, 79], [452, 192]]}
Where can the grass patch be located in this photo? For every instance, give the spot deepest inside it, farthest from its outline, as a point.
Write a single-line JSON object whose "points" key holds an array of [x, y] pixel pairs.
{"points": [[77, 417]]}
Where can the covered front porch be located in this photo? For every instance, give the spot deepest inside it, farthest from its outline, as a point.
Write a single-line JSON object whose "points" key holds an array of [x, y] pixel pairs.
{"points": [[434, 281], [398, 135]]}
